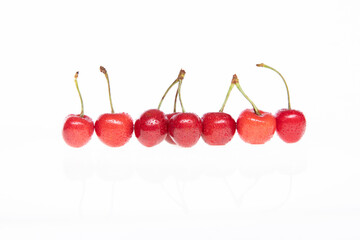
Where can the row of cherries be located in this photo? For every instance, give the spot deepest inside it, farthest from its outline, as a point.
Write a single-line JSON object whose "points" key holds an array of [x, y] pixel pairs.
{"points": [[182, 128]]}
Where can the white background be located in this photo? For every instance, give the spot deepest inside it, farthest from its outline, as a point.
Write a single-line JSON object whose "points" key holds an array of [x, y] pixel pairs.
{"points": [[307, 190]]}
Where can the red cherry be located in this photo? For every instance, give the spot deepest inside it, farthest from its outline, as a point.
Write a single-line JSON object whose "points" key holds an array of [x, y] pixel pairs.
{"points": [[290, 125], [151, 127], [77, 131], [168, 137], [256, 129], [218, 128], [185, 129], [114, 129]]}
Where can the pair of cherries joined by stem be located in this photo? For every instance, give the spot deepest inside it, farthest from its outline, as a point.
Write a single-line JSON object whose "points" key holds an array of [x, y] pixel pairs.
{"points": [[154, 126], [253, 125], [113, 129]]}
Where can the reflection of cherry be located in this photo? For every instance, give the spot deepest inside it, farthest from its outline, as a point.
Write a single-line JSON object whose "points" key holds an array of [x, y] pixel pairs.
{"points": [[113, 129], [78, 129], [290, 124], [254, 126]]}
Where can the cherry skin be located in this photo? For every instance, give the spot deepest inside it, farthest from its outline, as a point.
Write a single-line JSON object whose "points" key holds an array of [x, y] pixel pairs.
{"points": [[168, 137], [185, 129], [151, 127], [114, 129], [290, 125], [218, 128], [256, 129], [77, 131]]}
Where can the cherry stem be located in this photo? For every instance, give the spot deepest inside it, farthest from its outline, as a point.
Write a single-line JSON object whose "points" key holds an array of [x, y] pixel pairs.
{"points": [[175, 101], [78, 90], [103, 70], [236, 82], [287, 89], [177, 80], [179, 90], [227, 95], [163, 97]]}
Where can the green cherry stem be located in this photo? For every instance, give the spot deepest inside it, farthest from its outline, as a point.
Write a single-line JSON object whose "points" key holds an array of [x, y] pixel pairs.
{"points": [[175, 101], [78, 90], [103, 70], [287, 89], [236, 81], [227, 95], [163, 97], [179, 90], [179, 78]]}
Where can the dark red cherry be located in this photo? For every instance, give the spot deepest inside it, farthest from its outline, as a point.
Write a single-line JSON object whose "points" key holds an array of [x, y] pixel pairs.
{"points": [[151, 127], [290, 125], [218, 128], [185, 129]]}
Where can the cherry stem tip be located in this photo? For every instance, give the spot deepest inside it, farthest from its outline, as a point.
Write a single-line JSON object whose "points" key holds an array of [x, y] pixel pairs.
{"points": [[103, 70], [235, 79], [178, 81], [181, 75], [78, 90]]}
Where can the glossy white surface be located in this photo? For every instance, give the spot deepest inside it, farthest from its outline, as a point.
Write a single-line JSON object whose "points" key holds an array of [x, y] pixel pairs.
{"points": [[307, 190]]}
